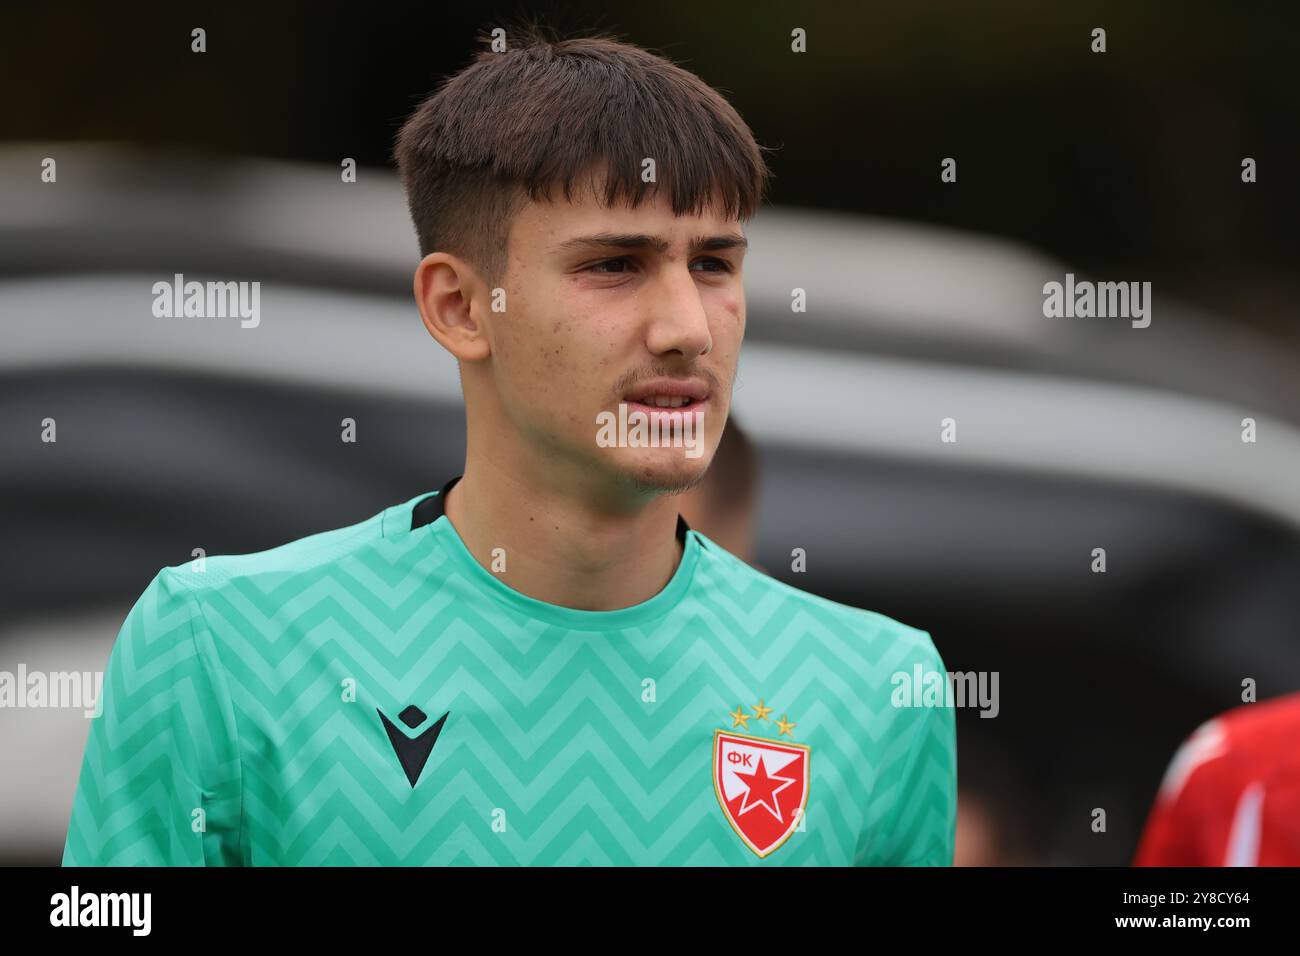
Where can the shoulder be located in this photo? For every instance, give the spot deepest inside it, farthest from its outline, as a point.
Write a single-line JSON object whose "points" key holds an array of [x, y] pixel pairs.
{"points": [[1270, 721], [173, 612], [206, 575], [889, 641], [1240, 744], [189, 610]]}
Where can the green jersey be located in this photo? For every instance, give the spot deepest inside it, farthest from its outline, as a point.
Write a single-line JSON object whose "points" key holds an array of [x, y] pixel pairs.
{"points": [[373, 695]]}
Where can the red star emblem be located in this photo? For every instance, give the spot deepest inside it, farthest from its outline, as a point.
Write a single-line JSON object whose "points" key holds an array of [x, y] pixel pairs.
{"points": [[762, 791]]}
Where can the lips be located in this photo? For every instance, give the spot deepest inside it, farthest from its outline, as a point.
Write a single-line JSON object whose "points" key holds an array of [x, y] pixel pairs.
{"points": [[670, 394]]}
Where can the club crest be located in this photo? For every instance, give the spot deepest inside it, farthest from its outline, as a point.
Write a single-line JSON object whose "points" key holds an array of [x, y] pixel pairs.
{"points": [[761, 783]]}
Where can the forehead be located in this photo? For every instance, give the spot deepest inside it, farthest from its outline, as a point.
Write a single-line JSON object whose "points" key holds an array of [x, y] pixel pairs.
{"points": [[545, 225]]}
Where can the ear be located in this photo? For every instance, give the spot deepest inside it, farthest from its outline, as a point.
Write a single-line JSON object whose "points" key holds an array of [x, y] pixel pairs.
{"points": [[449, 293]]}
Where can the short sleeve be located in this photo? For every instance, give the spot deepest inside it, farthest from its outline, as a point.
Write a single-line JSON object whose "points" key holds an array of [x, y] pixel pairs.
{"points": [[918, 777], [160, 781]]}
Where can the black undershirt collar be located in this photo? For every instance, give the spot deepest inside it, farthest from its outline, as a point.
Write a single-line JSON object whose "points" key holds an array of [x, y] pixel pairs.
{"points": [[429, 509]]}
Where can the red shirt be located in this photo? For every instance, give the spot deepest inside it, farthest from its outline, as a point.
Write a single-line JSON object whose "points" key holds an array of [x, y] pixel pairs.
{"points": [[1231, 795]]}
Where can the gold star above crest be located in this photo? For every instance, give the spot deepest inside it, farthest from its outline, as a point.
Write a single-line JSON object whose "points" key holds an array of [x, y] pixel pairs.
{"points": [[785, 726], [761, 712], [740, 718]]}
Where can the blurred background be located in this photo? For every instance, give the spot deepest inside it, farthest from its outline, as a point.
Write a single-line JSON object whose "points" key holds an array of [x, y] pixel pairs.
{"points": [[924, 303]]}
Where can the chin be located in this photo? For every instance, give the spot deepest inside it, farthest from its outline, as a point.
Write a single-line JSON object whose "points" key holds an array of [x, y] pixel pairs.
{"points": [[663, 470]]}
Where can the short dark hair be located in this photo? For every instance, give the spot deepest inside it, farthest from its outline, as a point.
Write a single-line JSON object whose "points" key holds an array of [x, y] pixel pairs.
{"points": [[546, 111]]}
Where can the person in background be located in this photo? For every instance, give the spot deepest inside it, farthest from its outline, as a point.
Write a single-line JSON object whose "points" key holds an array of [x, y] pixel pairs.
{"points": [[1231, 794], [722, 507]]}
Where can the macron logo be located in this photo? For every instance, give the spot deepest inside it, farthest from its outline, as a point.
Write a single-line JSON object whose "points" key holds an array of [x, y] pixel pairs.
{"points": [[412, 752]]}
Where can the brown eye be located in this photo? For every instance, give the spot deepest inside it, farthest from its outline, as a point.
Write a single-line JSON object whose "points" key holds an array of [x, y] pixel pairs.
{"points": [[722, 264], [600, 266]]}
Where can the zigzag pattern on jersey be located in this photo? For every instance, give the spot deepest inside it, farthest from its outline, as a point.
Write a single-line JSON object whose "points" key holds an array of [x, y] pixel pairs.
{"points": [[547, 724], [138, 790]]}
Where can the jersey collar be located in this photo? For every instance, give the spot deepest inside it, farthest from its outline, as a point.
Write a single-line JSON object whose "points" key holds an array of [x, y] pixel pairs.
{"points": [[428, 511]]}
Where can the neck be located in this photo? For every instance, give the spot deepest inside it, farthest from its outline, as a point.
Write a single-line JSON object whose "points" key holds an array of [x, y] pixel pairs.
{"points": [[560, 547]]}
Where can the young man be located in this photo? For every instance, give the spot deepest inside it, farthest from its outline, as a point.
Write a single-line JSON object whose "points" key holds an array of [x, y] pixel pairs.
{"points": [[538, 662]]}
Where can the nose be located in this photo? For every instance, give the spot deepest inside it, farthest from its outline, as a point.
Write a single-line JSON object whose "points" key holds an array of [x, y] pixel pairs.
{"points": [[678, 321]]}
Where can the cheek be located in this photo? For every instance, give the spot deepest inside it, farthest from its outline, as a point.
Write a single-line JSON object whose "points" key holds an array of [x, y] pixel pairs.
{"points": [[729, 303], [539, 339], [554, 361], [583, 336], [727, 312]]}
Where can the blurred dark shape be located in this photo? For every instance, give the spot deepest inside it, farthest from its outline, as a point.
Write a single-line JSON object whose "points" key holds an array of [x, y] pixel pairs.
{"points": [[994, 825], [722, 506]]}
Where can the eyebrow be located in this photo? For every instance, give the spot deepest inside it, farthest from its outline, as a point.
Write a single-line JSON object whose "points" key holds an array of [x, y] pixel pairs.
{"points": [[610, 240]]}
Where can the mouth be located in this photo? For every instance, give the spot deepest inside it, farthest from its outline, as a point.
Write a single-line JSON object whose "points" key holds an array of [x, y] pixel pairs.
{"points": [[672, 395], [661, 404]]}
